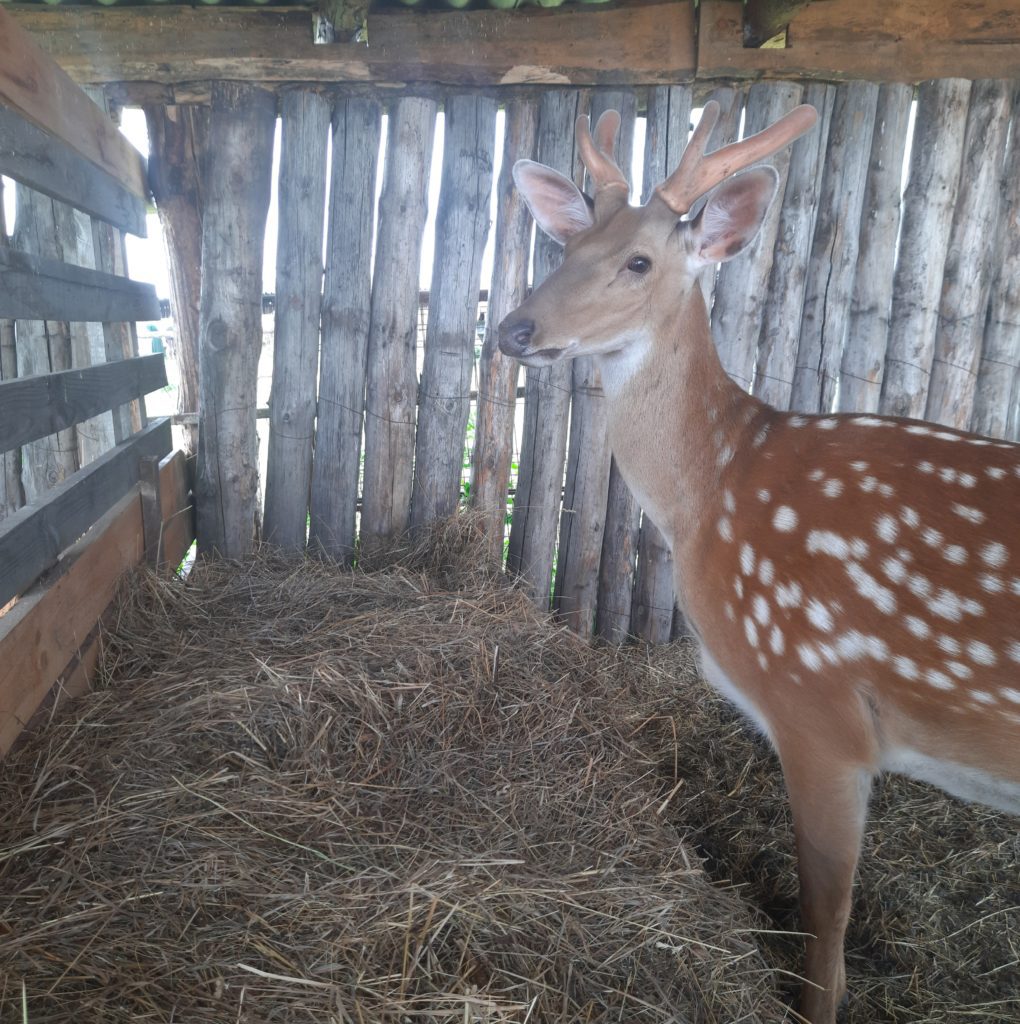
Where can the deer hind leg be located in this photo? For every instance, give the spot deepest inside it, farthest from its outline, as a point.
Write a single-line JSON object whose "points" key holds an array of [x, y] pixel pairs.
{"points": [[828, 797]]}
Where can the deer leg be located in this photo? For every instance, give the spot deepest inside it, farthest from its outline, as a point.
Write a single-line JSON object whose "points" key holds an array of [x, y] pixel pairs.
{"points": [[828, 797]]}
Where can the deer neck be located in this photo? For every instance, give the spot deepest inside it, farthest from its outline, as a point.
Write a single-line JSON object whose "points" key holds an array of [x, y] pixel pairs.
{"points": [[676, 420]]}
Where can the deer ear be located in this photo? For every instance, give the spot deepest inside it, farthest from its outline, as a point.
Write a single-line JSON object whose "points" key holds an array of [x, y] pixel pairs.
{"points": [[733, 215], [557, 204]]}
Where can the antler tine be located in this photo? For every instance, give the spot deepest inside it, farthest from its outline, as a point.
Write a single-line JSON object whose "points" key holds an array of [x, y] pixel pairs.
{"points": [[597, 153], [693, 178]]}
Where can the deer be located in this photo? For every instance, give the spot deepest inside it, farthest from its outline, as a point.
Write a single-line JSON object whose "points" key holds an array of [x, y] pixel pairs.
{"points": [[852, 581]]}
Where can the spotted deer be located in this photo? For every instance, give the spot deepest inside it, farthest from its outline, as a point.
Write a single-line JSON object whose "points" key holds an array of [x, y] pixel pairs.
{"points": [[853, 580]]}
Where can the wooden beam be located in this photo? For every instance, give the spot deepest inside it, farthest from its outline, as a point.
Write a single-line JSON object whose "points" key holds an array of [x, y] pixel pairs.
{"points": [[32, 539], [652, 42], [49, 165], [38, 288], [874, 40], [34, 407], [38, 88], [764, 19]]}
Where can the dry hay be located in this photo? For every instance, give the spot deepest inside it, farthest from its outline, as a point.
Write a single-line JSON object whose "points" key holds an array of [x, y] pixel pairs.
{"points": [[401, 795], [316, 795]]}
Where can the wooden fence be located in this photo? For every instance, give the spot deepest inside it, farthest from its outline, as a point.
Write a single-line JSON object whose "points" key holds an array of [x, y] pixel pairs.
{"points": [[73, 436], [857, 295]]}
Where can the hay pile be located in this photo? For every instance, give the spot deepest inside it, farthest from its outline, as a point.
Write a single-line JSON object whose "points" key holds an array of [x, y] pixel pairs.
{"points": [[396, 796]]}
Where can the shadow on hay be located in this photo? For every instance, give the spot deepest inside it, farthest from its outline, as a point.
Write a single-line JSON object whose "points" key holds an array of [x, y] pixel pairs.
{"points": [[399, 794]]}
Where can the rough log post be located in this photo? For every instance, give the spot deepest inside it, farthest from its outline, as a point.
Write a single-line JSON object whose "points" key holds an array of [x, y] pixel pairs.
{"points": [[586, 492], [864, 355], [615, 564], [178, 137], [346, 304], [831, 267], [784, 302], [304, 141], [972, 241], [742, 284], [928, 205], [42, 347], [998, 381], [547, 391], [462, 229], [11, 495], [237, 200], [392, 375], [727, 130], [666, 133], [497, 373]]}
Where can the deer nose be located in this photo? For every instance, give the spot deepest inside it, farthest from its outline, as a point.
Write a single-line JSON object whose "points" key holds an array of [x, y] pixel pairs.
{"points": [[515, 336]]}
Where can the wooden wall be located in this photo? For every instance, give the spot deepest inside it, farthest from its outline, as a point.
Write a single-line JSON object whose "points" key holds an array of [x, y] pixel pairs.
{"points": [[860, 294]]}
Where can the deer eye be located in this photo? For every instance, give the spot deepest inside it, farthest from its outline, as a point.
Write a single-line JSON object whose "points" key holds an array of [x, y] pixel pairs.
{"points": [[639, 264]]}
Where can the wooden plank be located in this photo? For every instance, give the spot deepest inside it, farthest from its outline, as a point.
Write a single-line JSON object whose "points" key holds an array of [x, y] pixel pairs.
{"points": [[38, 288], [832, 264], [973, 239], [863, 362], [346, 308], [997, 395], [872, 40], [38, 88], [764, 19], [237, 200], [33, 407], [176, 479], [742, 284], [41, 161], [462, 230], [652, 43], [49, 635], [928, 204], [11, 495], [302, 198], [536, 513], [32, 539], [784, 302], [584, 561], [498, 373], [392, 387]]}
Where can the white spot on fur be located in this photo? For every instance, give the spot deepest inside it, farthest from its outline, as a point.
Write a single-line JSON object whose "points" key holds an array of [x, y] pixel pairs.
{"points": [[818, 615], [746, 559], [764, 496], [959, 670], [886, 529], [760, 610], [948, 644], [980, 653], [939, 679], [859, 466], [905, 667], [797, 421], [870, 589], [931, 537], [995, 472], [910, 517], [1010, 694], [785, 519], [894, 569], [1013, 650], [725, 528], [777, 642], [994, 554], [788, 595], [832, 488], [827, 424], [809, 657], [729, 503], [766, 572], [925, 466], [738, 587], [868, 484], [991, 583], [750, 631], [918, 627], [973, 515], [955, 554]]}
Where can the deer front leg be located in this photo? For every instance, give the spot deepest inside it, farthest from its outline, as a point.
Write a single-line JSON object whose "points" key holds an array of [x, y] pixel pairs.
{"points": [[828, 798]]}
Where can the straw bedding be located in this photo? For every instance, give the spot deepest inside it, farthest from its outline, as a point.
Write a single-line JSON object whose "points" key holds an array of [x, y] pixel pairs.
{"points": [[308, 794]]}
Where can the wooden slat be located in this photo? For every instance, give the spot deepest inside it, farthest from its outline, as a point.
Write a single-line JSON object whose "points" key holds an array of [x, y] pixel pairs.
{"points": [[392, 387], [32, 538], [302, 192], [346, 308], [651, 43], [47, 164], [462, 229], [176, 478], [37, 288], [34, 407], [49, 634], [872, 40], [32, 83]]}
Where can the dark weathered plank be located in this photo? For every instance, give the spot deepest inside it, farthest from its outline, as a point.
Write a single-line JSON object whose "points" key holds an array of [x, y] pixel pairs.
{"points": [[392, 388], [831, 266], [33, 407], [346, 303], [32, 83], [31, 156], [928, 205], [302, 191], [498, 373], [650, 43], [37, 288], [236, 202], [997, 395], [32, 538], [784, 302], [11, 496], [539, 493], [973, 239], [462, 230], [868, 333]]}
